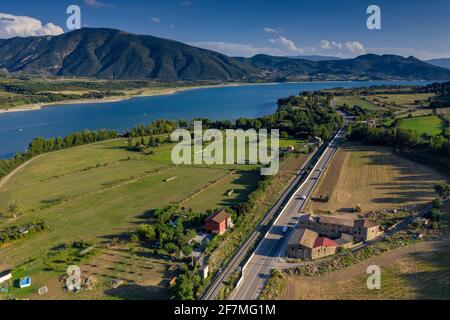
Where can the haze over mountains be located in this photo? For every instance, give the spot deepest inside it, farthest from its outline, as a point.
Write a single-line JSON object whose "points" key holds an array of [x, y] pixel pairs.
{"points": [[114, 54], [444, 63], [315, 58]]}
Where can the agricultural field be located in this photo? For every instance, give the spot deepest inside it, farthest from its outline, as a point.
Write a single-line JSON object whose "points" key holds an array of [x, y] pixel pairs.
{"points": [[420, 271], [444, 111], [355, 101], [402, 100], [97, 193], [145, 275], [376, 179], [431, 125]]}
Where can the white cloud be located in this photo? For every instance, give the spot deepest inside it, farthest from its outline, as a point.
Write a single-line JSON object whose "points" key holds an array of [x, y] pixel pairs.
{"points": [[23, 26], [287, 44], [185, 3], [283, 46], [351, 49], [238, 49], [270, 30], [277, 30], [347, 49], [355, 47], [97, 4], [328, 45], [155, 19]]}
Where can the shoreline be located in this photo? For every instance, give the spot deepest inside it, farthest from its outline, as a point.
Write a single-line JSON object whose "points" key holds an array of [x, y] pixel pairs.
{"points": [[149, 93]]}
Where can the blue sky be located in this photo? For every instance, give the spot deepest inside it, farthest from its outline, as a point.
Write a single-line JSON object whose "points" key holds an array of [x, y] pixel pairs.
{"points": [[247, 27]]}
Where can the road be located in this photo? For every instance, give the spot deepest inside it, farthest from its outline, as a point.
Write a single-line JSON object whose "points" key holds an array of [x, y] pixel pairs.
{"points": [[273, 247], [244, 249]]}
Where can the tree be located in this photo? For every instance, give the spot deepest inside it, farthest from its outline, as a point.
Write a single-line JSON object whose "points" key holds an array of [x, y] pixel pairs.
{"points": [[437, 203], [436, 215], [187, 285], [443, 190], [147, 231], [187, 250], [171, 247]]}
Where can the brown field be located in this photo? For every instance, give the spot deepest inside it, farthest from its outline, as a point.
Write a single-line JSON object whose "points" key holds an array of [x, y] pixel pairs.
{"points": [[443, 110], [332, 175], [375, 178], [418, 271]]}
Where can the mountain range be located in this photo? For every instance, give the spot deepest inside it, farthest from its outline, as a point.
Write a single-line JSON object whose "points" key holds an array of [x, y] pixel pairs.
{"points": [[444, 63], [114, 54], [315, 58]]}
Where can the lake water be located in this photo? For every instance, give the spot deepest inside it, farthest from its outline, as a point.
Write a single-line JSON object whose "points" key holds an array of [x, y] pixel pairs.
{"points": [[18, 129]]}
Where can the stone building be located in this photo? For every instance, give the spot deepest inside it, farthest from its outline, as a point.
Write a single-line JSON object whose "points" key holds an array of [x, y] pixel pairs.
{"points": [[308, 245], [362, 230]]}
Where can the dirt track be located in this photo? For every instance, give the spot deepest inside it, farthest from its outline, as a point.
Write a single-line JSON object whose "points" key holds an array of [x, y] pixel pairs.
{"points": [[10, 175]]}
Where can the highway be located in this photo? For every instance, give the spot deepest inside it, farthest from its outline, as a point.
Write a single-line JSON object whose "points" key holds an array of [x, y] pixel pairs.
{"points": [[273, 247], [243, 251]]}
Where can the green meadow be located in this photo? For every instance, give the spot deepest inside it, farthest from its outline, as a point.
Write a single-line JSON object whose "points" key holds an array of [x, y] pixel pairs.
{"points": [[99, 191], [355, 101], [431, 125]]}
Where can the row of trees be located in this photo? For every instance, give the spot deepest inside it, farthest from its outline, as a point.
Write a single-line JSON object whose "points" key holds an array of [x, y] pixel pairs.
{"points": [[18, 232], [301, 116], [397, 137]]}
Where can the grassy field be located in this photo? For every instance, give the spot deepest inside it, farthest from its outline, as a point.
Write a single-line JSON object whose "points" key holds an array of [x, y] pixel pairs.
{"points": [[355, 101], [375, 178], [97, 193], [227, 192], [431, 125], [402, 100]]}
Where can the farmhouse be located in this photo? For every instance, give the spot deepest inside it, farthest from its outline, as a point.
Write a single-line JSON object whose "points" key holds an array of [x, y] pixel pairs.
{"points": [[362, 230], [308, 245], [218, 223]]}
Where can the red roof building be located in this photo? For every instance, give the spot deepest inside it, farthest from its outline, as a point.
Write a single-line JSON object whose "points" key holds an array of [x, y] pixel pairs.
{"points": [[324, 242], [218, 223], [308, 245]]}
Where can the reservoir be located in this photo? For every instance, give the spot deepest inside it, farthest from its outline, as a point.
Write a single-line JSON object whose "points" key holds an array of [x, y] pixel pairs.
{"points": [[18, 129]]}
